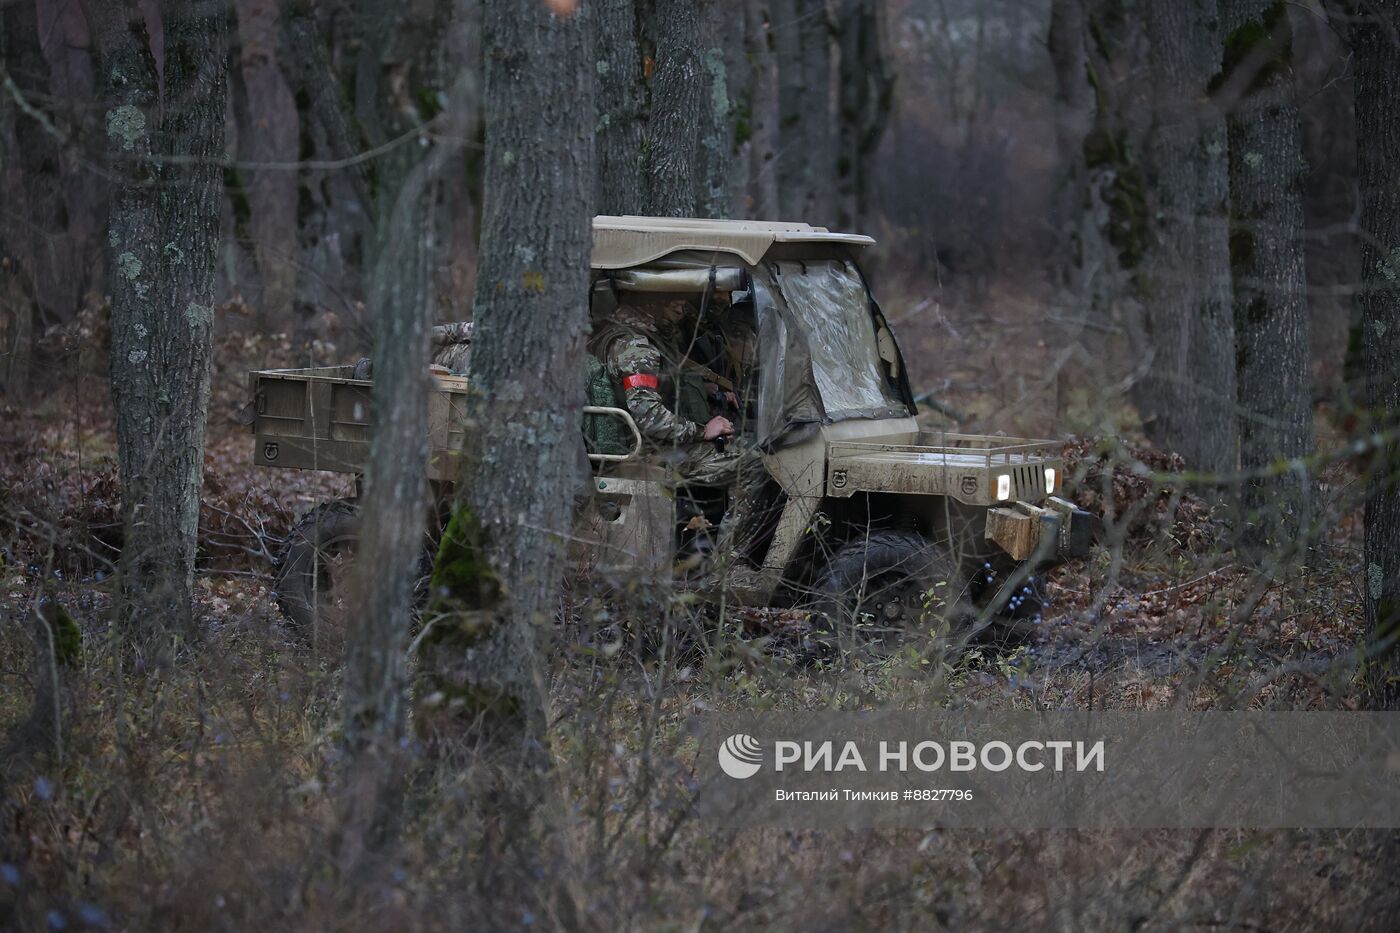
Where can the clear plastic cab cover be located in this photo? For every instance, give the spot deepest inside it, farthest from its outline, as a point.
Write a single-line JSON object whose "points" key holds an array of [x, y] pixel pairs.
{"points": [[821, 361]]}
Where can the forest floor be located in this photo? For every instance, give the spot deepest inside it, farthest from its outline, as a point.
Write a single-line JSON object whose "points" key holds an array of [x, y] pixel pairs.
{"points": [[212, 821]]}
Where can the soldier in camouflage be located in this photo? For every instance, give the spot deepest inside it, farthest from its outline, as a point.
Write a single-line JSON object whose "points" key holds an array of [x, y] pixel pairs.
{"points": [[638, 346], [452, 346], [452, 351]]}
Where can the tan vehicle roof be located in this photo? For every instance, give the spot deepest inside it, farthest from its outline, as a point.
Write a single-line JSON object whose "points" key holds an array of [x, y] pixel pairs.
{"points": [[622, 242]]}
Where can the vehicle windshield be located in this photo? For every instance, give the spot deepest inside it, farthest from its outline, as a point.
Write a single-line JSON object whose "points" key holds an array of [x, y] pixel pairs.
{"points": [[828, 303]]}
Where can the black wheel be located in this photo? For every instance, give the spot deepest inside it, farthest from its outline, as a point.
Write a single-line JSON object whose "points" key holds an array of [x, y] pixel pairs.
{"points": [[313, 566], [879, 586]]}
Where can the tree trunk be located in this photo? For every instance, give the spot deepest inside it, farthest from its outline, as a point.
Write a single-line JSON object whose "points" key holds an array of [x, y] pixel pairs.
{"points": [[1114, 174], [498, 570], [418, 45], [818, 185], [673, 133], [410, 234], [790, 156], [271, 136], [621, 100], [1090, 268], [16, 315], [1192, 377], [865, 98], [524, 460], [758, 122], [344, 236], [1073, 113], [1255, 85], [1213, 441], [806, 161], [713, 196], [1171, 296], [163, 237], [31, 191], [1376, 46], [735, 45]]}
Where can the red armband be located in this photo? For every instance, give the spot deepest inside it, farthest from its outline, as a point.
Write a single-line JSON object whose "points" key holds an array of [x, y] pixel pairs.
{"points": [[640, 381]]}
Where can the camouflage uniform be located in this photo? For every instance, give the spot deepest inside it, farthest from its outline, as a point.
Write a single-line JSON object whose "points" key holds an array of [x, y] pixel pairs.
{"points": [[646, 365], [452, 349], [452, 346]]}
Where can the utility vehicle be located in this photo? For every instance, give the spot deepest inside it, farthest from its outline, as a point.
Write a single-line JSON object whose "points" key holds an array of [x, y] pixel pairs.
{"points": [[866, 514]]}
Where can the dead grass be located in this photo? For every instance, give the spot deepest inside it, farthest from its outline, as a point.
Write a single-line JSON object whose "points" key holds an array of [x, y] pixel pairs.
{"points": [[203, 795]]}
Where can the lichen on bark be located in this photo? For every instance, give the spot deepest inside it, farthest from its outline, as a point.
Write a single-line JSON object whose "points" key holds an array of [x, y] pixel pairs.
{"points": [[126, 125], [129, 266]]}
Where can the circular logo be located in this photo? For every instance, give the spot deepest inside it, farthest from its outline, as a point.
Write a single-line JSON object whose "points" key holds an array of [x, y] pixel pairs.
{"points": [[740, 756]]}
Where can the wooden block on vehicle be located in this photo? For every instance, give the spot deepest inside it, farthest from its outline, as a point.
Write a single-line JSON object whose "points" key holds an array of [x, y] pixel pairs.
{"points": [[1015, 531]]}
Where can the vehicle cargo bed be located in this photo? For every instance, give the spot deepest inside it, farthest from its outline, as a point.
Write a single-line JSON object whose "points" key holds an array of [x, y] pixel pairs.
{"points": [[321, 419]]}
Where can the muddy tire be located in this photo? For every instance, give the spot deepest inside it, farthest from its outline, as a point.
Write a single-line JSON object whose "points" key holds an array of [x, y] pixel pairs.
{"points": [[320, 544], [878, 587]]}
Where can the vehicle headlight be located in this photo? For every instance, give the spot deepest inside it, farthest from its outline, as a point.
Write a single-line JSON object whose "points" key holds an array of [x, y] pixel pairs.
{"points": [[1004, 486], [1049, 479]]}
